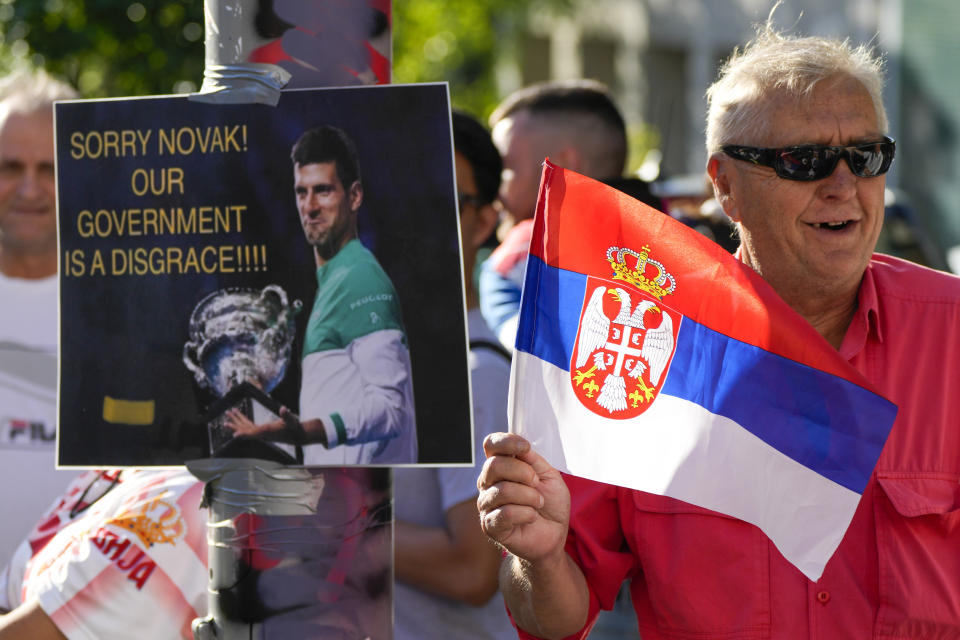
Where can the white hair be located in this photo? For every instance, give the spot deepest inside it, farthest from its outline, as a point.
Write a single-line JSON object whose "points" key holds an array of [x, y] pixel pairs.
{"points": [[27, 91], [776, 63]]}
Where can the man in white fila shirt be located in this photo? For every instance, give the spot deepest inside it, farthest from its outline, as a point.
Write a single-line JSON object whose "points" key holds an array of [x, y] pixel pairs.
{"points": [[28, 302], [356, 394]]}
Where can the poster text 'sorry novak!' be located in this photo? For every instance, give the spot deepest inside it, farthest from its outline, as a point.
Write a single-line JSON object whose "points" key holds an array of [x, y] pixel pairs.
{"points": [[172, 141]]}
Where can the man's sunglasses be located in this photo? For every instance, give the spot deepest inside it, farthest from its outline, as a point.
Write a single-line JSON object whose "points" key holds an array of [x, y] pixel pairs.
{"points": [[816, 162]]}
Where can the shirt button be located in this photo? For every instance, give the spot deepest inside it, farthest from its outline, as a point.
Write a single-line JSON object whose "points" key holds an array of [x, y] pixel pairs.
{"points": [[823, 597]]}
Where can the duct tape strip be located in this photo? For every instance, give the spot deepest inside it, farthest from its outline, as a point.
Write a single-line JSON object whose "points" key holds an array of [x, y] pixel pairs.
{"points": [[241, 83]]}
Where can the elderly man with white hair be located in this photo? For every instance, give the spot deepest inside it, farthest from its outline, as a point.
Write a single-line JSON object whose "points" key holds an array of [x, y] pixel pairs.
{"points": [[798, 149]]}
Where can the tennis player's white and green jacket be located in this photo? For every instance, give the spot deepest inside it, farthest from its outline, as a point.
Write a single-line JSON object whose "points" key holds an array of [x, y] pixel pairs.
{"points": [[356, 365]]}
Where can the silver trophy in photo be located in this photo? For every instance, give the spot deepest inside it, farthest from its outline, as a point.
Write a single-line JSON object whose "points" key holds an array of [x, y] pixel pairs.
{"points": [[240, 342]]}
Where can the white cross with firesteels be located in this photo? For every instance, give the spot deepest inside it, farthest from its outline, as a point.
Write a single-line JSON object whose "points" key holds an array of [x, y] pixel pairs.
{"points": [[622, 348]]}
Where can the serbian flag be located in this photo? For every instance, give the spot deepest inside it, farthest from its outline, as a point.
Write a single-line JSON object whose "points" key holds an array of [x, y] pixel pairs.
{"points": [[648, 357]]}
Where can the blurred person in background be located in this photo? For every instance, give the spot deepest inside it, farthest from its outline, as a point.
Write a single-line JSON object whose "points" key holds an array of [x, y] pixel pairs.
{"points": [[579, 127], [446, 568], [28, 302]]}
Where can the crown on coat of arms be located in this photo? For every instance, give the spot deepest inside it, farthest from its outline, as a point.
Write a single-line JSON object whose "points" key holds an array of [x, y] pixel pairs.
{"points": [[640, 273]]}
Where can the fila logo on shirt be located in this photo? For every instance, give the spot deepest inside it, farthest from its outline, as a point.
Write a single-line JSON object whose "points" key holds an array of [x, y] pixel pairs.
{"points": [[626, 336], [21, 432]]}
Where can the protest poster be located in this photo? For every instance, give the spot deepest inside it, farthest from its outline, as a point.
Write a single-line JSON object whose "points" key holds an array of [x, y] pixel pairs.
{"points": [[186, 272]]}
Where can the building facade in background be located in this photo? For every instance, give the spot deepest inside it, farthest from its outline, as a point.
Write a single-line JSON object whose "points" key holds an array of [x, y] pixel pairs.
{"points": [[659, 57]]}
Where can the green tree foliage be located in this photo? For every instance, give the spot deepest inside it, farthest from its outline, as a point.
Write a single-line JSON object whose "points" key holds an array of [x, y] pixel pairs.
{"points": [[108, 47], [142, 47], [460, 41], [111, 48]]}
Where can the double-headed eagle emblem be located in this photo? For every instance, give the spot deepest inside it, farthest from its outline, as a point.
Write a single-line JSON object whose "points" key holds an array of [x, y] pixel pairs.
{"points": [[619, 361]]}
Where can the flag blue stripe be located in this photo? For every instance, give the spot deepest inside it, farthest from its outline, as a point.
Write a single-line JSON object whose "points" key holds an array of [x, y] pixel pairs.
{"points": [[550, 330], [824, 422]]}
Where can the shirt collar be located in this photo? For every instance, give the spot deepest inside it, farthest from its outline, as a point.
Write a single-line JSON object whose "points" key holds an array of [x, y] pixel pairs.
{"points": [[866, 319]]}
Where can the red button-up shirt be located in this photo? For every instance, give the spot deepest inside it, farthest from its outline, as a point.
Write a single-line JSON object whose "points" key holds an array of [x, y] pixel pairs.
{"points": [[700, 575]]}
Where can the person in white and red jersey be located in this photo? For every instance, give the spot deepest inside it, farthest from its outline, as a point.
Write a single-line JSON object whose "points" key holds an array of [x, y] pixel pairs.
{"points": [[120, 550], [125, 554]]}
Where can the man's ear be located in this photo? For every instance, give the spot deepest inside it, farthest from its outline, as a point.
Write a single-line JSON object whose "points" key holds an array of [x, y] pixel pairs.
{"points": [[355, 195], [719, 170], [487, 218]]}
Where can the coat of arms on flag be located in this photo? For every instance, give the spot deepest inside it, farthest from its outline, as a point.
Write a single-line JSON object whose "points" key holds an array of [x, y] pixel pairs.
{"points": [[626, 337]]}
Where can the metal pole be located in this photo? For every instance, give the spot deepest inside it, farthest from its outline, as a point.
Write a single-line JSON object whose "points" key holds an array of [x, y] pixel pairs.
{"points": [[295, 552], [292, 552]]}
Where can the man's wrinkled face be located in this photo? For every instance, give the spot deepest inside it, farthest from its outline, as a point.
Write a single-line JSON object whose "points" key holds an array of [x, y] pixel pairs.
{"points": [[327, 210], [808, 237], [28, 197]]}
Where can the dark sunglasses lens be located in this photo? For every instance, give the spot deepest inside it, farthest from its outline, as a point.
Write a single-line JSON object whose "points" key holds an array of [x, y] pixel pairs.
{"points": [[871, 160], [806, 163], [816, 163]]}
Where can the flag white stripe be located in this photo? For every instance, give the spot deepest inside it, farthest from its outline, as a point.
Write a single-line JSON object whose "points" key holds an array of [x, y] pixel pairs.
{"points": [[679, 449]]}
